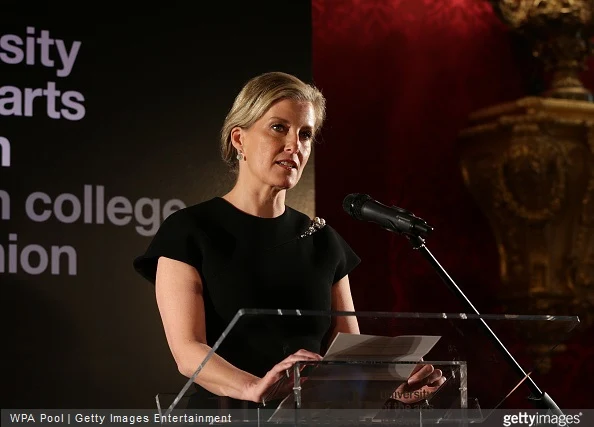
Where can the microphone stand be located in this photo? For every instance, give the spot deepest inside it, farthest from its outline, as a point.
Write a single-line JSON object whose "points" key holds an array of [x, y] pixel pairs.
{"points": [[544, 400]]}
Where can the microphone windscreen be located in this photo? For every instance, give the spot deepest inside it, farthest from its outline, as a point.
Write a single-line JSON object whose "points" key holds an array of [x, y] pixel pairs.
{"points": [[352, 204]]}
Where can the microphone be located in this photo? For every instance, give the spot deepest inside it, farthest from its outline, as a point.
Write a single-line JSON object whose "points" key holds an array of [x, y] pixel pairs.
{"points": [[392, 218]]}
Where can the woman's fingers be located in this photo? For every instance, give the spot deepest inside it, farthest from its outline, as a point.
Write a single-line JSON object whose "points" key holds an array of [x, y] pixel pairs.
{"points": [[434, 377], [307, 353], [438, 382], [301, 356], [427, 378], [419, 375], [417, 367], [298, 356]]}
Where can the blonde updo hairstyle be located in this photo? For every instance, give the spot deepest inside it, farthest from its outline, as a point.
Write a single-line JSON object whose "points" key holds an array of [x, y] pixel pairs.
{"points": [[257, 96]]}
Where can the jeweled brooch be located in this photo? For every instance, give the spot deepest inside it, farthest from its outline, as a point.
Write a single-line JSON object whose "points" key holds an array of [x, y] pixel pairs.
{"points": [[316, 224]]}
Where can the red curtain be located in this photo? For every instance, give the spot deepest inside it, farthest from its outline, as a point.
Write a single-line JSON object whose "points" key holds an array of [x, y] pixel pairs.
{"points": [[401, 77]]}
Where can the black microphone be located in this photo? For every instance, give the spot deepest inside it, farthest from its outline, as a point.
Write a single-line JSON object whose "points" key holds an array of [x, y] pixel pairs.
{"points": [[392, 218]]}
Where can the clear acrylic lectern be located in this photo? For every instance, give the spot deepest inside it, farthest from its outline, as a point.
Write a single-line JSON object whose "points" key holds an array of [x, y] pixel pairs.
{"points": [[362, 379]]}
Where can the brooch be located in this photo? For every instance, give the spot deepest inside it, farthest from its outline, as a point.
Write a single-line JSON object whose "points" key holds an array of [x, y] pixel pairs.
{"points": [[316, 224]]}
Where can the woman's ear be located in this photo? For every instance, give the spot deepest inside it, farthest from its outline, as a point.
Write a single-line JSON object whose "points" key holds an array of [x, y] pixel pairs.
{"points": [[237, 138]]}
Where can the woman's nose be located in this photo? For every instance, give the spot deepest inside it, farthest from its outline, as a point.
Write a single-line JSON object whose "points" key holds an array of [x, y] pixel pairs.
{"points": [[292, 143]]}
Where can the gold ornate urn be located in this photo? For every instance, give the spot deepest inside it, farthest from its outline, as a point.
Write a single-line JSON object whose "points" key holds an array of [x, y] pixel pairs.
{"points": [[560, 33], [530, 166]]}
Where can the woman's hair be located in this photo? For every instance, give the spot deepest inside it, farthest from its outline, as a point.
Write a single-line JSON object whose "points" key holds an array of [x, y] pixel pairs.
{"points": [[257, 96]]}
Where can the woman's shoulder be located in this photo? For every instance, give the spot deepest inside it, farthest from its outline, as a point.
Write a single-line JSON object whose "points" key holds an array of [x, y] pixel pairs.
{"points": [[179, 237]]}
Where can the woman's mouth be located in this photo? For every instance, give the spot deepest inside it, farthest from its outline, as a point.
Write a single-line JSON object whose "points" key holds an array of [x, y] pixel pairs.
{"points": [[287, 164]]}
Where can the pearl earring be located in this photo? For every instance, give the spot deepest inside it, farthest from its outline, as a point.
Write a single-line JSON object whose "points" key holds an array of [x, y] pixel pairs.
{"points": [[239, 156]]}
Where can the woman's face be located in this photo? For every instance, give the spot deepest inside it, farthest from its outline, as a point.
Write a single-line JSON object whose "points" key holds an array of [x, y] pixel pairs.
{"points": [[277, 146]]}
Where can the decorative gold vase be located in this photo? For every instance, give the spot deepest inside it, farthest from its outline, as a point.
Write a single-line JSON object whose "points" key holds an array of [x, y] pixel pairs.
{"points": [[560, 33], [530, 166]]}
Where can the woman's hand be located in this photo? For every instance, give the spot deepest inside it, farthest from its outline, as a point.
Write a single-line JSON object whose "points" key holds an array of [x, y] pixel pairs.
{"points": [[423, 381], [255, 391]]}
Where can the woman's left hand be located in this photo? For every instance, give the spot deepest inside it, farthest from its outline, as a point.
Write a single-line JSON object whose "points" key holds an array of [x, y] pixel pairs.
{"points": [[423, 382]]}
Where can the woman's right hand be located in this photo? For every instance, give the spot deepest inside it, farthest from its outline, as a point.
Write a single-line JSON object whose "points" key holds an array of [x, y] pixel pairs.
{"points": [[256, 390]]}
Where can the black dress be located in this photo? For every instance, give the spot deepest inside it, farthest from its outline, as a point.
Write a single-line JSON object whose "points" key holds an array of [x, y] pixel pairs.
{"points": [[247, 262]]}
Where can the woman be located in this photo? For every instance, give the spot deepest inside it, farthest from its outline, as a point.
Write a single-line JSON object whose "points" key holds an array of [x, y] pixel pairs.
{"points": [[247, 249]]}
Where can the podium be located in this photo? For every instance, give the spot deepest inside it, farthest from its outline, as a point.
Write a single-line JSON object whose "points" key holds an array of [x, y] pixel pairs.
{"points": [[489, 364]]}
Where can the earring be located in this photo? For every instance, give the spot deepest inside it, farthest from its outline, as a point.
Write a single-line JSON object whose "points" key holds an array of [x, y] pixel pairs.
{"points": [[239, 156]]}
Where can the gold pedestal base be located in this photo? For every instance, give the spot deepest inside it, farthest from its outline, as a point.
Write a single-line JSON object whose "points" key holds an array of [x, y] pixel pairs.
{"points": [[530, 166]]}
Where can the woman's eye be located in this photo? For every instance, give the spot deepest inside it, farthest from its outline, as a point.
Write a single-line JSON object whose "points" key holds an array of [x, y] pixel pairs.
{"points": [[306, 136], [278, 127]]}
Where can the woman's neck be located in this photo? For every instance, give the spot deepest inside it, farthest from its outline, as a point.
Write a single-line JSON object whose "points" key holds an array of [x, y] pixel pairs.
{"points": [[262, 202]]}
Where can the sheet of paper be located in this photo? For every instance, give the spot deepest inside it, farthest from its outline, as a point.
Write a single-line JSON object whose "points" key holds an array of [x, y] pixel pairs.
{"points": [[387, 349], [403, 348]]}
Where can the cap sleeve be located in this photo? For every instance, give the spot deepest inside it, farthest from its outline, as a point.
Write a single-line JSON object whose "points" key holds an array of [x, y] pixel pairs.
{"points": [[175, 239], [347, 259]]}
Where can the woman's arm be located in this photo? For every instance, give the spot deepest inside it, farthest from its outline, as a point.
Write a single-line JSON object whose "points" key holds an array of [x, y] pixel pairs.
{"points": [[181, 305], [342, 300]]}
